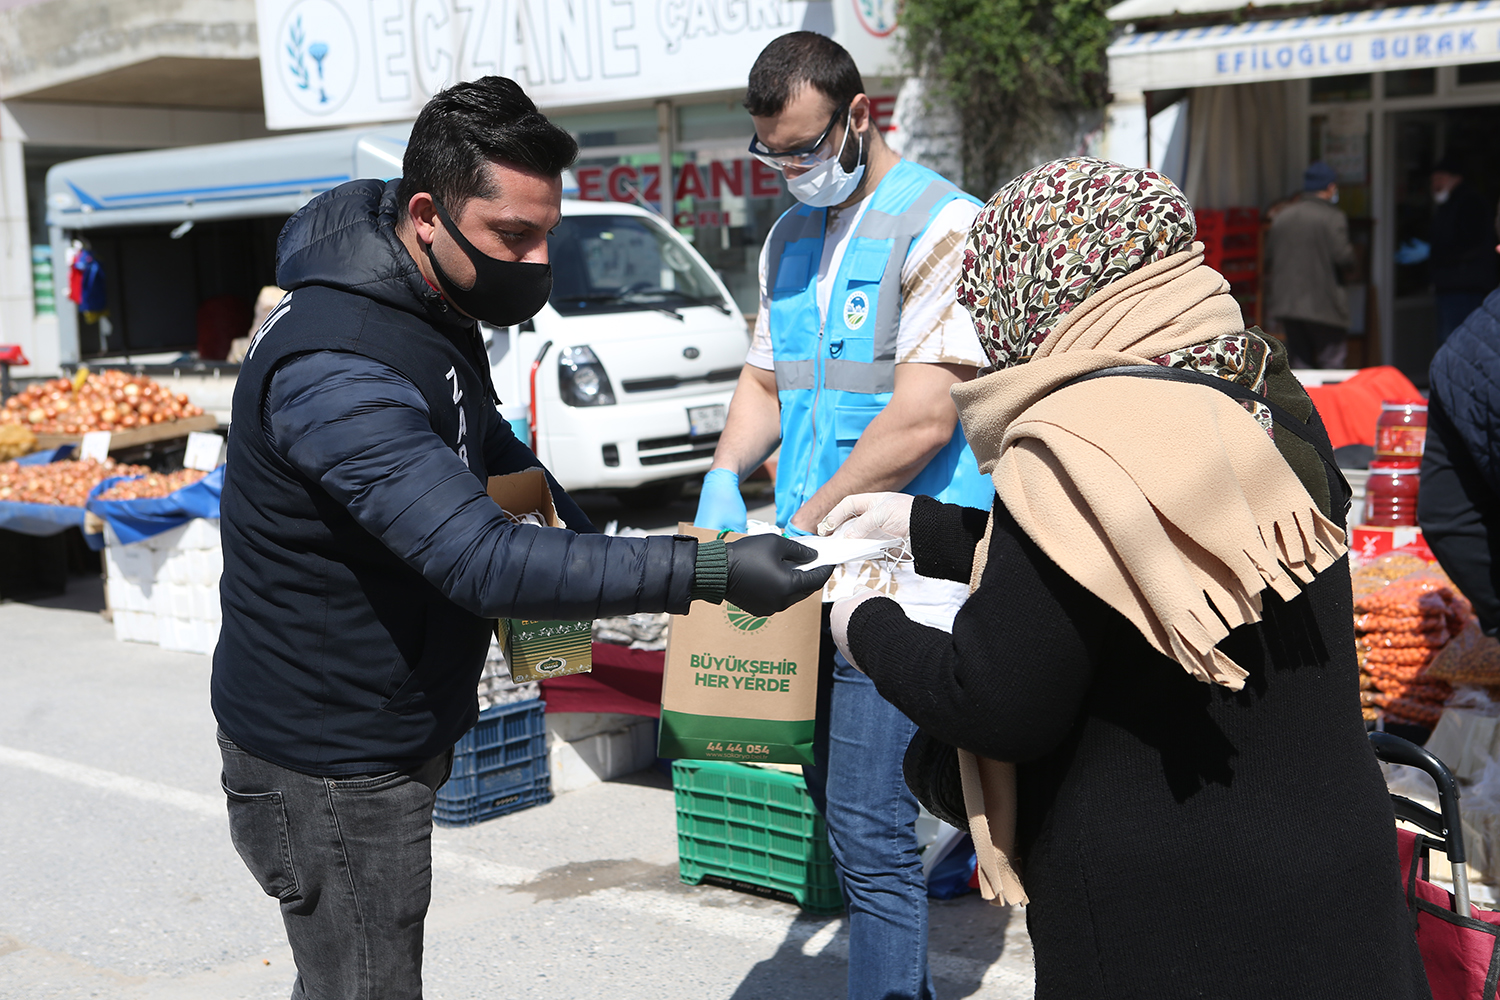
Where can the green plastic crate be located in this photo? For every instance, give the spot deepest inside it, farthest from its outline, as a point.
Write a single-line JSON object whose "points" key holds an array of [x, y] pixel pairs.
{"points": [[754, 828]]}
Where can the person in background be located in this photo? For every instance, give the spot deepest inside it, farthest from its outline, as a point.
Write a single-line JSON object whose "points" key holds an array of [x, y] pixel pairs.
{"points": [[858, 341], [1463, 248], [1458, 505], [265, 302], [364, 562], [1308, 254], [1154, 678]]}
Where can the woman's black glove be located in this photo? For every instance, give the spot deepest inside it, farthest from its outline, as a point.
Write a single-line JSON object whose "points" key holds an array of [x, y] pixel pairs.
{"points": [[763, 573]]}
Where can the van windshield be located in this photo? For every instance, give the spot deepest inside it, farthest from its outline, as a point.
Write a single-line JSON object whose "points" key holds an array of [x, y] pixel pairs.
{"points": [[614, 263]]}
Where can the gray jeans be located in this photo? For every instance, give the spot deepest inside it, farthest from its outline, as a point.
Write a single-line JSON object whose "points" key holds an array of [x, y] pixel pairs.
{"points": [[350, 860]]}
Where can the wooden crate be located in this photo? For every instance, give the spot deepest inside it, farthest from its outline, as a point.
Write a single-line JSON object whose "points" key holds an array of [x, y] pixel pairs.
{"points": [[136, 436]]}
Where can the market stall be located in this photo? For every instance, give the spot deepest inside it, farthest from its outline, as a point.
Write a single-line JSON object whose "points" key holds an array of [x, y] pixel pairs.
{"points": [[162, 557], [107, 437], [1426, 670]]}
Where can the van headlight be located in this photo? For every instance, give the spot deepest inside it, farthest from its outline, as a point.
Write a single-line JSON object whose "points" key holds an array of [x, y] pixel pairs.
{"points": [[581, 378]]}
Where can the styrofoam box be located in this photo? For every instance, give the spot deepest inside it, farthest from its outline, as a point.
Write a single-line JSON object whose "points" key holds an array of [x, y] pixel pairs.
{"points": [[586, 748], [199, 533], [130, 562], [187, 600], [176, 567], [165, 589], [187, 635], [205, 566], [126, 594]]}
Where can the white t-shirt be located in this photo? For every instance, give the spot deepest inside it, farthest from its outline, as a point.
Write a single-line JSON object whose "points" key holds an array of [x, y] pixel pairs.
{"points": [[934, 328]]}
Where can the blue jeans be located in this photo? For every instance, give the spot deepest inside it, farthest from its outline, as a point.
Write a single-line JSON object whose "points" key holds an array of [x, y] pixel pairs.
{"points": [[1452, 309], [858, 785], [350, 861]]}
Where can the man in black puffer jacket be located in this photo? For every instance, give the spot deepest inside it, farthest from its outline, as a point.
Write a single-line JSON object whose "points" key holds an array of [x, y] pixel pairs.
{"points": [[1458, 506], [364, 563]]}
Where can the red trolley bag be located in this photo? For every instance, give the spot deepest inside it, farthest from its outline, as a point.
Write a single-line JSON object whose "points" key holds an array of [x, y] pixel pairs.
{"points": [[1460, 943]]}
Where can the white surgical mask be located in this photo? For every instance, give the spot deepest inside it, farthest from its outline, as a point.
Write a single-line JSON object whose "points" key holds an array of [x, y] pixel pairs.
{"points": [[828, 183], [1441, 197]]}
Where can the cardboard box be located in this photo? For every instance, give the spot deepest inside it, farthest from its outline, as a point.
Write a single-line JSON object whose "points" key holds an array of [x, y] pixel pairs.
{"points": [[536, 650], [1367, 542]]}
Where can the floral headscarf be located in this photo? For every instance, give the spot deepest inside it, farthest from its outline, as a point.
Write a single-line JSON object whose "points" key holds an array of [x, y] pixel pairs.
{"points": [[1065, 229], [1056, 233]]}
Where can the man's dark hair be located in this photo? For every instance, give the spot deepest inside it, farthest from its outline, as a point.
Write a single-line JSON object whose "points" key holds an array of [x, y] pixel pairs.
{"points": [[797, 59], [469, 125]]}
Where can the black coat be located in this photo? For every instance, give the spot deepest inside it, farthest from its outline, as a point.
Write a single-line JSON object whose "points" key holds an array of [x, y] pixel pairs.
{"points": [[1176, 839], [1463, 243], [364, 564]]}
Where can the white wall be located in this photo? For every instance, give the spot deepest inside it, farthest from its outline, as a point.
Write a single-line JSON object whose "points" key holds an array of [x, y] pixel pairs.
{"points": [[1125, 130]]}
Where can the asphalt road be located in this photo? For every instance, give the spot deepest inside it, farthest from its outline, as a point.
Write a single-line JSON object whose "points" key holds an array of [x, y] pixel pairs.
{"points": [[117, 878]]}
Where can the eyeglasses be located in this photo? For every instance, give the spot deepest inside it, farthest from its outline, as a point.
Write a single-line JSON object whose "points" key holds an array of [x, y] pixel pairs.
{"points": [[803, 157]]}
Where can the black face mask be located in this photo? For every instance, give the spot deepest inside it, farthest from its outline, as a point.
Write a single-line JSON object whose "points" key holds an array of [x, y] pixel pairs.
{"points": [[505, 292]]}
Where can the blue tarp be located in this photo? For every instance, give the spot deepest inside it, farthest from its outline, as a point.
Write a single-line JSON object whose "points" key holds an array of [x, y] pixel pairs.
{"points": [[41, 519], [135, 520], [47, 457]]}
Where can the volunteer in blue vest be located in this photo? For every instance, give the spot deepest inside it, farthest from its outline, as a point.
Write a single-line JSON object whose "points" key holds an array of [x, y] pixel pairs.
{"points": [[364, 563], [858, 340]]}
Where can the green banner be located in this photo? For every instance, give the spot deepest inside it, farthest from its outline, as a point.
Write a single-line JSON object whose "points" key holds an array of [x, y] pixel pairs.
{"points": [[713, 737]]}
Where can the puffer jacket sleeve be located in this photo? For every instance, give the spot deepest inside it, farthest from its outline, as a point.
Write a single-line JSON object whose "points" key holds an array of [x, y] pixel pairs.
{"points": [[1465, 380], [504, 453], [360, 431], [1460, 517]]}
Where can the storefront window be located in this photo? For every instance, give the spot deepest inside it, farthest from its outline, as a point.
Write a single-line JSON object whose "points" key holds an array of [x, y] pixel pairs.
{"points": [[1325, 89], [725, 200], [1479, 73], [615, 128], [1341, 139], [1411, 82]]}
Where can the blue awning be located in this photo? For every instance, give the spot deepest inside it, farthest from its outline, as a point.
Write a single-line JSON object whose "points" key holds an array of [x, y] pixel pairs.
{"points": [[1394, 38]]}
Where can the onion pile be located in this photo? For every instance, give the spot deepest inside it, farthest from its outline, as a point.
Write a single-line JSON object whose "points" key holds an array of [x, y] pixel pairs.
{"points": [[63, 483], [157, 484], [105, 401]]}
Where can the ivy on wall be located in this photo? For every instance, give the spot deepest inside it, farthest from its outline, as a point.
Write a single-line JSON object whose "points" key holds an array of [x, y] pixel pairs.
{"points": [[1012, 70]]}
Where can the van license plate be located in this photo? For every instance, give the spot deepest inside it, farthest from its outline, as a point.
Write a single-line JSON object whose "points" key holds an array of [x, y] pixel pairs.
{"points": [[706, 419]]}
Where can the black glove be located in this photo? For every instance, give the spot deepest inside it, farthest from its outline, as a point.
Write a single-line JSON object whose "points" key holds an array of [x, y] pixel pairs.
{"points": [[763, 573]]}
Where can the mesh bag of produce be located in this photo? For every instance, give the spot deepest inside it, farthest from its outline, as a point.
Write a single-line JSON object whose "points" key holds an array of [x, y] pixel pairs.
{"points": [[1402, 624], [1472, 658]]}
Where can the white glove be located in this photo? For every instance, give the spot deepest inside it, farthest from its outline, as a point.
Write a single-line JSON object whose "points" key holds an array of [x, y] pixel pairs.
{"points": [[838, 621], [869, 515]]}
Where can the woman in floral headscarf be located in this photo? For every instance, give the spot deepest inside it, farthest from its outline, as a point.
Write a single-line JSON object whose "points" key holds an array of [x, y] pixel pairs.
{"points": [[1147, 712]]}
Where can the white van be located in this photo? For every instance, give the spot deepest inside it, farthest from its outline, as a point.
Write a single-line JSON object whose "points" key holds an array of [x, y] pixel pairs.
{"points": [[625, 375]]}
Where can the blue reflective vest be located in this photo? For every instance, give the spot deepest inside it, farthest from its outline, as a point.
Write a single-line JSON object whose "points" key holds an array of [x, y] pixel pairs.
{"points": [[834, 373]]}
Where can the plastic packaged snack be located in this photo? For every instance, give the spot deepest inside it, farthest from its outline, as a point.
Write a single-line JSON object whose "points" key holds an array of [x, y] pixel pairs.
{"points": [[1471, 658]]}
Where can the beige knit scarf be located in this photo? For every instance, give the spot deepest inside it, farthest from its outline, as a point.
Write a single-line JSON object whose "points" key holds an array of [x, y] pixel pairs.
{"points": [[1166, 500]]}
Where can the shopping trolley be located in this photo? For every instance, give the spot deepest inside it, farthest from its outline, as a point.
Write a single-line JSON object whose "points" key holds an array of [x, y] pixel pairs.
{"points": [[1460, 943]]}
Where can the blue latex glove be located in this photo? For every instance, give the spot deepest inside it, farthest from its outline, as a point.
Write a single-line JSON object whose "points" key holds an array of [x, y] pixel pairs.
{"points": [[792, 531], [1413, 251], [720, 505]]}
